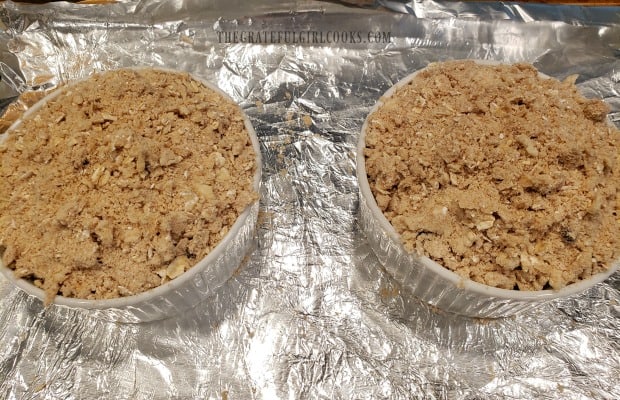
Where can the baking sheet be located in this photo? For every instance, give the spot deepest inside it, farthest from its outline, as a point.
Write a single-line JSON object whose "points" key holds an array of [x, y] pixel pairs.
{"points": [[311, 314]]}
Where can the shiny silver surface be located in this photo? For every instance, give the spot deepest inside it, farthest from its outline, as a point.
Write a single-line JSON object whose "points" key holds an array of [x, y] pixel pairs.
{"points": [[312, 313]]}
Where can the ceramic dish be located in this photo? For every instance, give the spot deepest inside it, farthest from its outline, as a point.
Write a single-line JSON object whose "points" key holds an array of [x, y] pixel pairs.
{"points": [[428, 280], [183, 292]]}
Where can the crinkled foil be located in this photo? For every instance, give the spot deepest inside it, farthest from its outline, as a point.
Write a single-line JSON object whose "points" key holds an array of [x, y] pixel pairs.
{"points": [[311, 314]]}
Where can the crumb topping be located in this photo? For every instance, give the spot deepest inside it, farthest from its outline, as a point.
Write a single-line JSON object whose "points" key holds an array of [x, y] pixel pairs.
{"points": [[121, 183], [498, 174]]}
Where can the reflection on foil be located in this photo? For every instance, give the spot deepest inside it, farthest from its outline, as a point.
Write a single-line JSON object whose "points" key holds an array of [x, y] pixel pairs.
{"points": [[514, 11], [312, 314]]}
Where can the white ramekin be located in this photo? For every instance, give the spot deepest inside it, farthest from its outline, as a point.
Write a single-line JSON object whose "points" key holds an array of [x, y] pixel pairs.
{"points": [[183, 292], [428, 280]]}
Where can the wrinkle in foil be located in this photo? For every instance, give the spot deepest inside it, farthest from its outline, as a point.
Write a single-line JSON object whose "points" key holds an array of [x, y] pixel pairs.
{"points": [[514, 11], [312, 313]]}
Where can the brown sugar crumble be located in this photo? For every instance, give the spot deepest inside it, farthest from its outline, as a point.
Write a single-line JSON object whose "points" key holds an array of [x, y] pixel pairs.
{"points": [[121, 183], [504, 177]]}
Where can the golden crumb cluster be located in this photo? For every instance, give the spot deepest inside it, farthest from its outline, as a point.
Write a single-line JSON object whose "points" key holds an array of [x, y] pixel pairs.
{"points": [[122, 182], [498, 174]]}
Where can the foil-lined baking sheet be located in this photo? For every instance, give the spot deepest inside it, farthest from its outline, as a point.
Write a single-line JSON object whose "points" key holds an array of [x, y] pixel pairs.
{"points": [[311, 314], [493, 10]]}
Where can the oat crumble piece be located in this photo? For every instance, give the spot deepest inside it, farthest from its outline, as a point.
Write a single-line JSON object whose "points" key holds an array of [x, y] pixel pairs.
{"points": [[121, 183], [498, 174]]}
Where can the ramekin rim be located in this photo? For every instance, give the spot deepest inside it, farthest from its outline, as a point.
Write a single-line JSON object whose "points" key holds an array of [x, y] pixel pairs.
{"points": [[139, 298], [445, 273]]}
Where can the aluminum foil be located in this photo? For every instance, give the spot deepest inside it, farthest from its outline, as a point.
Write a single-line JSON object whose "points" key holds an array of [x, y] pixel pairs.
{"points": [[312, 314]]}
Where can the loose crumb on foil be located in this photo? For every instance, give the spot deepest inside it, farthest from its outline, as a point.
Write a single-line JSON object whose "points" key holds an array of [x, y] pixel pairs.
{"points": [[121, 183], [500, 175]]}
